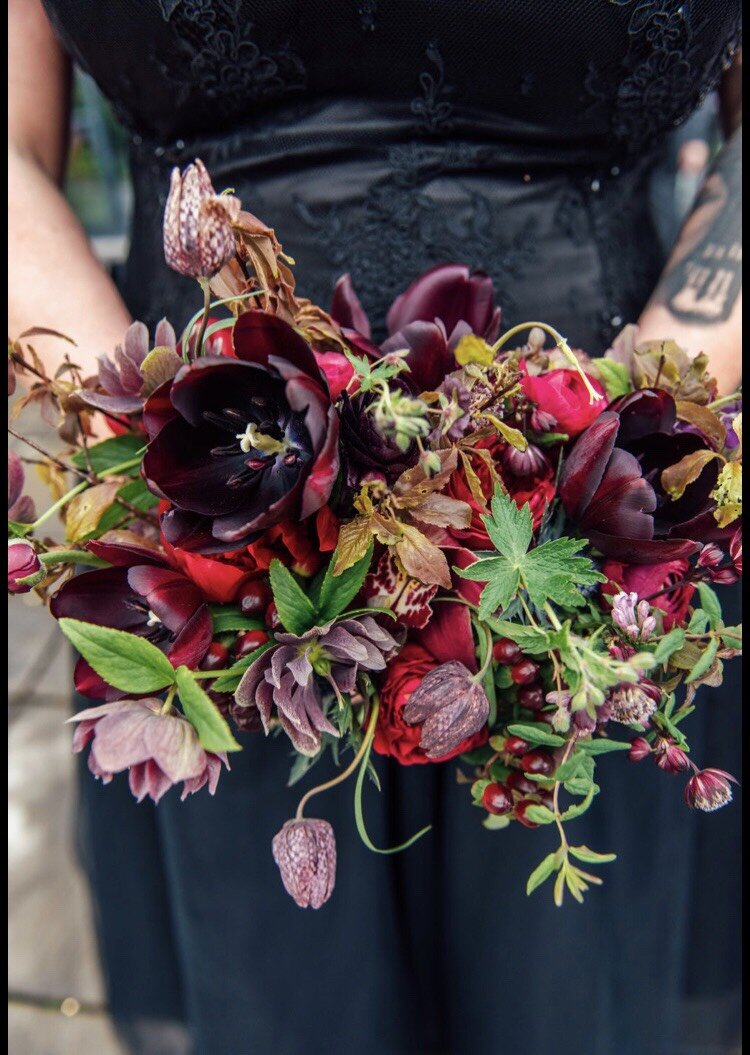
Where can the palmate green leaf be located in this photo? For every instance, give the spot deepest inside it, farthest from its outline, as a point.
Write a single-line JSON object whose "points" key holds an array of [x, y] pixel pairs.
{"points": [[203, 714], [509, 527], [295, 608], [125, 661], [337, 591], [502, 583], [553, 572]]}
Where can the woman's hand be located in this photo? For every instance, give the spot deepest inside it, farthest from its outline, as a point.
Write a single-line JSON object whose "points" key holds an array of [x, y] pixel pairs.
{"points": [[698, 300], [54, 278]]}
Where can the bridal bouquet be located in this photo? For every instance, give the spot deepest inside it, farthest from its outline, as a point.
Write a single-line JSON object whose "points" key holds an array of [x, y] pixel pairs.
{"points": [[449, 546]]}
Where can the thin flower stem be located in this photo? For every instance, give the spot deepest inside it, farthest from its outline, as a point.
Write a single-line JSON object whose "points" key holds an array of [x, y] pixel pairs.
{"points": [[204, 321], [556, 797], [49, 457], [362, 751], [168, 702], [724, 401], [561, 343], [479, 676], [113, 471]]}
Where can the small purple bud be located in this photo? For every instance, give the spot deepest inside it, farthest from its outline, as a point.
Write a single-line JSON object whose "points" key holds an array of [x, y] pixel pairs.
{"points": [[668, 756], [22, 562], [640, 748], [451, 706], [305, 851], [524, 463]]}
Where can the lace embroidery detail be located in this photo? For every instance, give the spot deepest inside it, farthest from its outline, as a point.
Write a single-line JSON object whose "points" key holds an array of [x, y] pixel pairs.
{"points": [[218, 61], [433, 107], [367, 11]]}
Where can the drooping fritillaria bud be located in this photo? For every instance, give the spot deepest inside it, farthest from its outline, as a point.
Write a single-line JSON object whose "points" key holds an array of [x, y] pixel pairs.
{"points": [[198, 235], [709, 789], [633, 704], [305, 851], [451, 706], [22, 562]]}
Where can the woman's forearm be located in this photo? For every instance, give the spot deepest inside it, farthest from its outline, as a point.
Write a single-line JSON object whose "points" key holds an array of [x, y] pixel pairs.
{"points": [[54, 279], [698, 299]]}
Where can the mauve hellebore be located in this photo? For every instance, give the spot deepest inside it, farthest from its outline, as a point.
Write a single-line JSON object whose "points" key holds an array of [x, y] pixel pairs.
{"points": [[240, 444], [611, 487]]}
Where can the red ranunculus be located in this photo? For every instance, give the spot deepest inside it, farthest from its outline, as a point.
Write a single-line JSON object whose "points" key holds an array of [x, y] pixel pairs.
{"points": [[538, 489], [446, 637], [563, 394], [648, 579]]}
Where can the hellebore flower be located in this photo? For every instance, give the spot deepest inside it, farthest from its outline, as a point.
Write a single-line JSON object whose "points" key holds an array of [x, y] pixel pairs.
{"points": [[20, 506], [136, 371], [450, 706], [142, 595], [293, 674], [611, 489], [245, 442], [445, 641], [157, 749], [198, 235], [22, 562], [709, 790], [305, 851]]}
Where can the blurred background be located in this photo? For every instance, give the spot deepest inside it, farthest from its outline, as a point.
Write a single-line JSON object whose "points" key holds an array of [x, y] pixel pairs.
{"points": [[56, 995]]}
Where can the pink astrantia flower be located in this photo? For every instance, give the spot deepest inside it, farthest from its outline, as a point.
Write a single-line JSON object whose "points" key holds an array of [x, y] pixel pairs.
{"points": [[305, 851], [709, 789], [157, 749]]}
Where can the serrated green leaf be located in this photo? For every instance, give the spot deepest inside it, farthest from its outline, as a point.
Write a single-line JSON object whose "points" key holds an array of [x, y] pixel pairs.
{"points": [[705, 661], [292, 603], [500, 591], [337, 591], [532, 640], [543, 871], [125, 661], [613, 375], [509, 527], [582, 853], [203, 714], [536, 733], [669, 644], [710, 603], [229, 617]]}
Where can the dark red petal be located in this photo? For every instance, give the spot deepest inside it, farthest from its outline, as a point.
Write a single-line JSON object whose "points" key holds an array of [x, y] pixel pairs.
{"points": [[98, 597], [212, 383], [585, 465], [703, 527], [258, 335], [158, 410], [643, 412], [169, 595], [325, 469], [89, 684], [346, 308], [124, 555], [623, 501], [449, 292], [448, 635], [641, 551], [429, 359], [192, 643]]}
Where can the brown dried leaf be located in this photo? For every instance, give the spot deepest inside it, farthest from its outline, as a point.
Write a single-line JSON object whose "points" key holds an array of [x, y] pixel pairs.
{"points": [[354, 538], [702, 418], [421, 558], [54, 477], [413, 485], [443, 512], [686, 471], [85, 511]]}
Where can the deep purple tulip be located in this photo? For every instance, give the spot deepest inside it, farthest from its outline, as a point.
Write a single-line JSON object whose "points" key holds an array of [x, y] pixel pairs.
{"points": [[22, 562], [611, 489], [148, 599], [243, 443], [452, 293]]}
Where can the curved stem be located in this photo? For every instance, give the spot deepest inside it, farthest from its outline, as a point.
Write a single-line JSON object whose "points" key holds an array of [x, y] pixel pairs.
{"points": [[113, 471], [479, 676], [341, 777], [561, 343], [204, 321]]}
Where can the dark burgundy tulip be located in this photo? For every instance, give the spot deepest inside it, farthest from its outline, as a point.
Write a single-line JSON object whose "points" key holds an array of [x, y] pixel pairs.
{"points": [[611, 489], [430, 355], [452, 293], [148, 599], [241, 444]]}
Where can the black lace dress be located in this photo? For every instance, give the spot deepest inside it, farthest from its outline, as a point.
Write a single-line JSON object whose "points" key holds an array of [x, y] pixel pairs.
{"points": [[381, 137]]}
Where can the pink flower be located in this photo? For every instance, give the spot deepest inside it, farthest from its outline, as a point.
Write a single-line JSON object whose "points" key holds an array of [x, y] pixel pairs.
{"points": [[22, 562], [20, 506], [305, 851], [157, 749], [668, 756], [655, 582], [709, 789], [198, 235], [640, 748], [562, 395]]}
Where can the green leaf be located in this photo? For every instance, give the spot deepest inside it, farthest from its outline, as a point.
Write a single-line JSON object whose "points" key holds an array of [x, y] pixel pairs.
{"points": [[582, 853], [536, 733], [698, 622], [542, 871], [136, 494], [229, 617], [533, 640], [337, 591], [228, 682], [495, 821], [602, 747], [731, 637], [614, 376], [111, 452], [509, 527], [710, 604], [125, 661], [539, 814], [292, 603], [499, 592], [705, 662], [580, 807], [669, 644], [203, 714]]}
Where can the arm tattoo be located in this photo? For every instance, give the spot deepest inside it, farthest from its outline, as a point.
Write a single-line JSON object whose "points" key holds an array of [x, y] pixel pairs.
{"points": [[702, 283]]}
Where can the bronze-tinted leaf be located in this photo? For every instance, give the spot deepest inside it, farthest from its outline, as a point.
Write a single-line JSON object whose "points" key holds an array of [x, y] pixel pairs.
{"points": [[85, 510], [686, 471], [704, 419], [354, 538], [421, 558]]}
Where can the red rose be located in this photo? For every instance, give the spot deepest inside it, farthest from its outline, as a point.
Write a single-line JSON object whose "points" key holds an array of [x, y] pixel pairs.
{"points": [[563, 395], [337, 369], [648, 579], [446, 637], [538, 489]]}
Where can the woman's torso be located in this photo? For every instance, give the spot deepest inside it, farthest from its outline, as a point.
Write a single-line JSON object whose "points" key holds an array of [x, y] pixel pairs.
{"points": [[383, 136]]}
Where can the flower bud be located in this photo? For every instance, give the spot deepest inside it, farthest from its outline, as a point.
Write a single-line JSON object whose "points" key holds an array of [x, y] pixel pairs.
{"points": [[451, 705], [20, 506], [640, 748], [710, 559], [22, 562], [305, 851], [524, 463], [735, 550], [709, 790], [668, 756], [198, 235]]}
